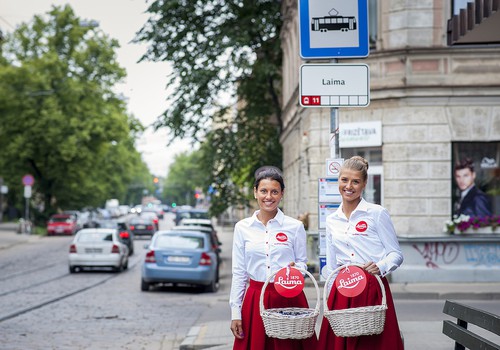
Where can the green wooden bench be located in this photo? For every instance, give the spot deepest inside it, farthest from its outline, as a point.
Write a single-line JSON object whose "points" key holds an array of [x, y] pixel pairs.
{"points": [[463, 337]]}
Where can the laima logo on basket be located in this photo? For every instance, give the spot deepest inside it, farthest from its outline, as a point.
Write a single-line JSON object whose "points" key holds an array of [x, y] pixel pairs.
{"points": [[282, 237], [351, 281], [289, 282], [361, 226]]}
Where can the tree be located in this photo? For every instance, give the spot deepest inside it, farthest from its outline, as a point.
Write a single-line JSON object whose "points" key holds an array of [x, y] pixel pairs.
{"points": [[184, 176], [61, 121], [216, 48]]}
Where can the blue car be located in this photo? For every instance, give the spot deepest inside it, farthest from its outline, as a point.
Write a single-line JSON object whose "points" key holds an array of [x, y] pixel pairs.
{"points": [[185, 257]]}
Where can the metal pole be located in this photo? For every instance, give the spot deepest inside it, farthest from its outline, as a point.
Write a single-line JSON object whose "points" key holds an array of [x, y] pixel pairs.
{"points": [[334, 129], [334, 133]]}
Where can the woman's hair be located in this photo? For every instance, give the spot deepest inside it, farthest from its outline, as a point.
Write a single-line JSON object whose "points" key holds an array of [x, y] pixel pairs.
{"points": [[356, 163], [270, 173]]}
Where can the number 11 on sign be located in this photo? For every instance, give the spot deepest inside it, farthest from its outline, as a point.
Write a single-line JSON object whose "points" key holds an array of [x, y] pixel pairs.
{"points": [[311, 100]]}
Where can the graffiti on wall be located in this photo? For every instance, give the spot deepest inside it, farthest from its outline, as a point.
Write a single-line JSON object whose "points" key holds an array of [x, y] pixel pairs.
{"points": [[483, 254], [435, 253]]}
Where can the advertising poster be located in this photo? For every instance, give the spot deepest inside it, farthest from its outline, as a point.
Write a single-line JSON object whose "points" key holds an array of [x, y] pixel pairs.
{"points": [[476, 179]]}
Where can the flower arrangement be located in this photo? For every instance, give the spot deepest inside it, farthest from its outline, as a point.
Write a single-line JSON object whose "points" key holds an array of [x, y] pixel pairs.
{"points": [[464, 222]]}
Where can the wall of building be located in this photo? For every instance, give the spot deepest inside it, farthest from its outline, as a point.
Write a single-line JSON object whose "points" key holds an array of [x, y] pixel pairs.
{"points": [[425, 94]]}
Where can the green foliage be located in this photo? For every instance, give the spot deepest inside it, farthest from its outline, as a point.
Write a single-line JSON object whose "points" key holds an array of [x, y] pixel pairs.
{"points": [[61, 121], [218, 48], [183, 178]]}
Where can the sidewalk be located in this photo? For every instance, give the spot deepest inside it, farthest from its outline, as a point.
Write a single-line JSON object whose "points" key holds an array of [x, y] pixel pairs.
{"points": [[9, 236], [216, 335]]}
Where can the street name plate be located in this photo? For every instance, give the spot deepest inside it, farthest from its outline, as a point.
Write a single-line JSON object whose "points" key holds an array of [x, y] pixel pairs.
{"points": [[334, 85]]}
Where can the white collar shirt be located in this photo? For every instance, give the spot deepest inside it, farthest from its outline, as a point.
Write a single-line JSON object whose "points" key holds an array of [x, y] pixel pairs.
{"points": [[368, 235], [259, 251]]}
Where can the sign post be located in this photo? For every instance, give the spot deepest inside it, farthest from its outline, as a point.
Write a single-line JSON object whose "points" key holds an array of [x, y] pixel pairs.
{"points": [[332, 29], [28, 181]]}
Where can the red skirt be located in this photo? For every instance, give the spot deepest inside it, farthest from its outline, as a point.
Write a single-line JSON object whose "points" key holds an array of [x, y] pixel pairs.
{"points": [[390, 338], [255, 337]]}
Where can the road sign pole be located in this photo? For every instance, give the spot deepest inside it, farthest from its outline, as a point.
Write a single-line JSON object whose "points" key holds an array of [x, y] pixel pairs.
{"points": [[334, 129], [334, 133]]}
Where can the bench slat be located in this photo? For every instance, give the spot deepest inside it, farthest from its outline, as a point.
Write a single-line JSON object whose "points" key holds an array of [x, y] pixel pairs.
{"points": [[467, 338], [472, 315]]}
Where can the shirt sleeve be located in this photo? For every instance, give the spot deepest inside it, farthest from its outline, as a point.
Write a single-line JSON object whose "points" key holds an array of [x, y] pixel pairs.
{"points": [[240, 276], [394, 256], [300, 247]]}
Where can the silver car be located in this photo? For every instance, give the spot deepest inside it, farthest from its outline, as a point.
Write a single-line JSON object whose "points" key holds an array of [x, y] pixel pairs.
{"points": [[97, 248]]}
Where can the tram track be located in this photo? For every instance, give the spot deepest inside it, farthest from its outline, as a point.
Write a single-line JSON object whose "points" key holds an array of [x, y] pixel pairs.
{"points": [[44, 301]]}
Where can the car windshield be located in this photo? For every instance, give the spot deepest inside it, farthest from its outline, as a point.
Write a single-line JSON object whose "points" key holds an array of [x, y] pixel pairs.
{"points": [[179, 242], [61, 219], [95, 236]]}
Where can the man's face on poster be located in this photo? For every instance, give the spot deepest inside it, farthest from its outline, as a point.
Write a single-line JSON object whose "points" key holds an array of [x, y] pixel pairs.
{"points": [[464, 178]]}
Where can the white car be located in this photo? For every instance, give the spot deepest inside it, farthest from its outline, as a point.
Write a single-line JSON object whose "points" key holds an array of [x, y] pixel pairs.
{"points": [[97, 248]]}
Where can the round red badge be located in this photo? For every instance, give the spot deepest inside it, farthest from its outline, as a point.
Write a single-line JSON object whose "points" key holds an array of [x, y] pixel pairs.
{"points": [[282, 237], [289, 282], [351, 281], [361, 226]]}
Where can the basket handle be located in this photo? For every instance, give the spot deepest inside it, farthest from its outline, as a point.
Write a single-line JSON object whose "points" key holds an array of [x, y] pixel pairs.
{"points": [[261, 301], [326, 290]]}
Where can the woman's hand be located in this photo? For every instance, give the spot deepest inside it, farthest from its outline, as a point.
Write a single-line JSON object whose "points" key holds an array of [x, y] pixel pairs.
{"points": [[292, 263], [371, 268], [237, 329]]}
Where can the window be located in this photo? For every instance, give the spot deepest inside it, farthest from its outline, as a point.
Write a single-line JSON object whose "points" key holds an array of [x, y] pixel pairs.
{"points": [[476, 191], [373, 190]]}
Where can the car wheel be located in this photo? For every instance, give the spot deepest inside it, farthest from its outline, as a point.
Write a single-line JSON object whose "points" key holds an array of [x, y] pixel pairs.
{"points": [[212, 287], [126, 265], [144, 286], [72, 269]]}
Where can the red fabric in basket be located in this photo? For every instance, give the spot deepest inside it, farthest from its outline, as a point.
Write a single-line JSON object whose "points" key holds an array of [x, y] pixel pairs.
{"points": [[390, 338], [253, 326]]}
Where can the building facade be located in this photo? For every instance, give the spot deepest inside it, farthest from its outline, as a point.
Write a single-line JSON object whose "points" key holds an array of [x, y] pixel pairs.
{"points": [[435, 102]]}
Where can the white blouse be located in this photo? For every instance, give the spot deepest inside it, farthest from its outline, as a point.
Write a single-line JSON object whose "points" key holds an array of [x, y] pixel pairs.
{"points": [[368, 235], [259, 251]]}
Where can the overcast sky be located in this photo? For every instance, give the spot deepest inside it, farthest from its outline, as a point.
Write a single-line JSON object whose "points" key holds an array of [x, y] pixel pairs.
{"points": [[145, 83]]}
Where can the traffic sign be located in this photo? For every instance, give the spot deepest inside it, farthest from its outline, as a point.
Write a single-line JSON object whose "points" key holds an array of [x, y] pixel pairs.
{"points": [[334, 85], [333, 28], [27, 191], [28, 180]]}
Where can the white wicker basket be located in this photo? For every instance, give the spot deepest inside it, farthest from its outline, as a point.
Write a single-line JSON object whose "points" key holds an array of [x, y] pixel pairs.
{"points": [[290, 322], [353, 322]]}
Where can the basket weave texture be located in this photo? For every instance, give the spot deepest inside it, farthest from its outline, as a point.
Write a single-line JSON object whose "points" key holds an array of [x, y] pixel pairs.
{"points": [[290, 322], [353, 322]]}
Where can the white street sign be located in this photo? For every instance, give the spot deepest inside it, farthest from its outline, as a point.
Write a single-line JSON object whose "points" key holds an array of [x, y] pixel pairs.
{"points": [[27, 191], [334, 85]]}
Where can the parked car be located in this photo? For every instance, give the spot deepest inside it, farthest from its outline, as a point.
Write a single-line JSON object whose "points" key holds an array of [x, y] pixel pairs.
{"points": [[140, 226], [190, 214], [98, 247], [62, 224], [180, 257]]}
